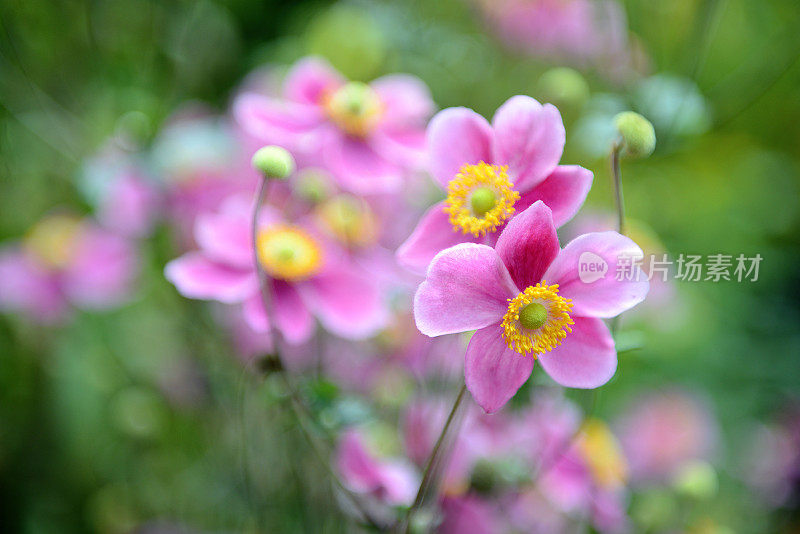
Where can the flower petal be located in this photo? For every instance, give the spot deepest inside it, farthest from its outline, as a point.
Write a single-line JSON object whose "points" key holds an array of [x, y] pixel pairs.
{"points": [[29, 288], [606, 295], [292, 317], [529, 138], [360, 471], [585, 359], [433, 234], [103, 271], [225, 238], [358, 167], [456, 137], [404, 147], [406, 100], [196, 277], [564, 192], [529, 244], [347, 303], [467, 287], [494, 372], [278, 121], [309, 79]]}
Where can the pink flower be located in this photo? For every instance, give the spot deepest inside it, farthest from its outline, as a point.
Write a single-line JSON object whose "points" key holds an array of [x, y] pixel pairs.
{"points": [[368, 136], [663, 432], [491, 172], [526, 299], [582, 32], [65, 260], [130, 206], [309, 276], [125, 200], [391, 481]]}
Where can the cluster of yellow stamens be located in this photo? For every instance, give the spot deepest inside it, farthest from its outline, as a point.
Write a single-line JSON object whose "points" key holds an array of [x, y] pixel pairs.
{"points": [[480, 198], [52, 240], [288, 253], [603, 453], [537, 320], [350, 220], [355, 108]]}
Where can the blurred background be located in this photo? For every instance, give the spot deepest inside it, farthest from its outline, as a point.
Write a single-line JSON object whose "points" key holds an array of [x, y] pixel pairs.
{"points": [[141, 418]]}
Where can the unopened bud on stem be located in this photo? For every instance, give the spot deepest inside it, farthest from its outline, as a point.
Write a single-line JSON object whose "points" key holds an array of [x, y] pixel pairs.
{"points": [[273, 162], [637, 133]]}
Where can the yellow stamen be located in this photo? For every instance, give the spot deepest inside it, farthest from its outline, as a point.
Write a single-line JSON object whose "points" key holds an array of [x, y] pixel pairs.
{"points": [[537, 320], [355, 108], [288, 253], [603, 453], [52, 240], [350, 220], [492, 205]]}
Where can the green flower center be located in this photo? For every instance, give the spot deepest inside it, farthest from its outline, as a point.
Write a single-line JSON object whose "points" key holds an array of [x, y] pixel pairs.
{"points": [[482, 201], [533, 316]]}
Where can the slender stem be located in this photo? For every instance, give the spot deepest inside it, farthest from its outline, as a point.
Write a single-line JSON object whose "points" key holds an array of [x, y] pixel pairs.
{"points": [[619, 199], [299, 408], [434, 458], [617, 177]]}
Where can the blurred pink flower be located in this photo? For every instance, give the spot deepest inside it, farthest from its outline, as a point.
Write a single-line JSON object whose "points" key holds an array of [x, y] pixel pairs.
{"points": [[773, 464], [309, 275], [582, 32], [368, 136], [130, 207], [476, 287], [125, 199], [665, 431], [392, 481], [492, 172], [65, 260]]}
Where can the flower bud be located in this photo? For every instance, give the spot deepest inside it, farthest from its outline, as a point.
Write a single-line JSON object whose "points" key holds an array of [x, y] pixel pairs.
{"points": [[697, 480], [313, 185], [637, 133], [563, 86], [273, 162]]}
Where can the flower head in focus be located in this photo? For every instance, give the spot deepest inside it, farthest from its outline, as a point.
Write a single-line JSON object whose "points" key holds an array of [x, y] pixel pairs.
{"points": [[368, 135], [491, 173], [528, 300]]}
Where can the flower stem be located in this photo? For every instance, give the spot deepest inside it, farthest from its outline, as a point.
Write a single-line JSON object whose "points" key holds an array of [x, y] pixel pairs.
{"points": [[303, 414], [616, 149], [434, 458]]}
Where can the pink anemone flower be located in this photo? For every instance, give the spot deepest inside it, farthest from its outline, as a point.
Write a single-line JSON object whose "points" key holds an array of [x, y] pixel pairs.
{"points": [[490, 173], [392, 481], [528, 299], [367, 135], [309, 276], [66, 260]]}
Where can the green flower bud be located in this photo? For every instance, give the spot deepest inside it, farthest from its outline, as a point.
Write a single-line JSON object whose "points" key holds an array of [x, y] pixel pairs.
{"points": [[563, 86], [484, 477], [313, 185], [696, 480], [638, 135], [273, 162]]}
